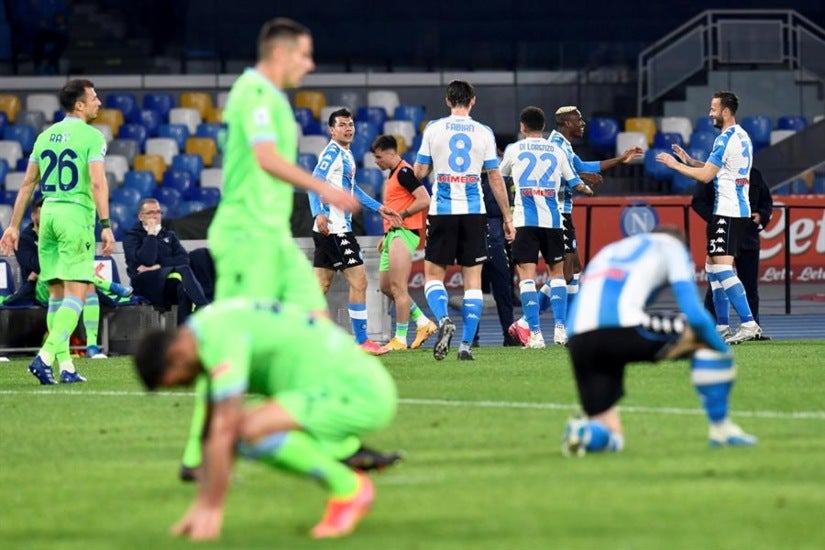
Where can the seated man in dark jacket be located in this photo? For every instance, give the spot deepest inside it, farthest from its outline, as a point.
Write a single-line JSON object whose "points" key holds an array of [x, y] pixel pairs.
{"points": [[158, 265]]}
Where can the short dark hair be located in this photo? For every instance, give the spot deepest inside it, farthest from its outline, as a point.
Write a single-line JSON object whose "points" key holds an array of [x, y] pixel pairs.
{"points": [[460, 93], [383, 143], [280, 28], [72, 92], [532, 118], [343, 113], [728, 100], [146, 201], [150, 357]]}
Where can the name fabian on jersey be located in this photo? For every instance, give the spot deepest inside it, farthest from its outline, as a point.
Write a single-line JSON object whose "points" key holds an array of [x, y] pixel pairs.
{"points": [[460, 127]]}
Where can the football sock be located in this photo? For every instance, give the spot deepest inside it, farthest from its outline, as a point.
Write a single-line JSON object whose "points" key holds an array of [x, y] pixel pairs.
{"points": [[63, 324], [544, 298], [572, 289], [530, 303], [300, 453], [91, 317], [602, 439], [401, 331], [735, 292], [721, 304], [712, 374], [471, 310], [558, 300], [417, 316], [358, 316], [103, 284], [192, 457], [436, 298], [54, 304]]}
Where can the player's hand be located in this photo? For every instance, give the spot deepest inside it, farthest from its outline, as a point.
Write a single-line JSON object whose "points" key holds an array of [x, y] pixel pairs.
{"points": [[144, 268], [757, 218], [391, 216], [679, 152], [667, 159], [322, 223], [200, 523], [632, 154], [108, 240], [8, 244], [509, 231], [584, 189], [340, 199], [591, 178]]}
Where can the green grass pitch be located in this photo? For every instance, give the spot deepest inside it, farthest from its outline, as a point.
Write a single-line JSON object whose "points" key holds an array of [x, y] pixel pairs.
{"points": [[94, 465]]}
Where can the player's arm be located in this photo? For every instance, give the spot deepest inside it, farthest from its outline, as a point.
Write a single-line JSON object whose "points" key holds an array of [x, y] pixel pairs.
{"points": [[11, 235], [408, 181], [219, 449], [624, 158], [684, 157], [503, 201], [100, 194], [703, 174], [422, 170], [571, 178]]}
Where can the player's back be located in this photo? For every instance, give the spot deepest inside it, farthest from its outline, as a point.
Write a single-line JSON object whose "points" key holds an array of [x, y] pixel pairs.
{"points": [[624, 277], [63, 153], [256, 112], [733, 153]]}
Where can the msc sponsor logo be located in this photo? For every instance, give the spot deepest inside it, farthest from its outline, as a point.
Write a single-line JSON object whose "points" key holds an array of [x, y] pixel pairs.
{"points": [[454, 178], [533, 192]]}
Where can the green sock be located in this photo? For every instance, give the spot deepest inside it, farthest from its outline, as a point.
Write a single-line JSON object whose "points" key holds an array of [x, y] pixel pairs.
{"points": [[401, 331], [415, 312], [301, 453], [54, 303], [192, 456], [102, 284], [91, 318], [342, 449], [63, 324]]}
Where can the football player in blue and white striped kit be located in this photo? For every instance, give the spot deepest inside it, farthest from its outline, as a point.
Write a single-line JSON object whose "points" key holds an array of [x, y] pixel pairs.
{"points": [[457, 149], [728, 167], [540, 170], [610, 328], [336, 248]]}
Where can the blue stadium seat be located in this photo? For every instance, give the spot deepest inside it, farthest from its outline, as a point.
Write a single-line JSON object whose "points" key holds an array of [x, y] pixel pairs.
{"points": [[819, 185], [601, 133], [410, 155], [23, 134], [759, 129], [371, 180], [359, 147], [4, 169], [22, 164], [663, 140], [307, 161], [126, 102], [682, 184], [141, 180], [416, 144], [189, 163], [210, 196], [791, 123], [181, 180], [702, 139], [705, 123], [306, 118], [178, 132], [190, 207], [413, 113], [127, 196], [4, 120], [168, 197], [8, 276], [212, 130], [373, 223], [58, 115], [123, 214], [162, 102], [699, 153], [151, 120], [367, 130], [377, 115], [655, 169], [135, 131], [799, 187]]}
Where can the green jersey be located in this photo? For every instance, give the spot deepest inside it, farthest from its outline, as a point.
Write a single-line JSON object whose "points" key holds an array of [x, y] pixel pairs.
{"points": [[253, 200], [63, 153]]}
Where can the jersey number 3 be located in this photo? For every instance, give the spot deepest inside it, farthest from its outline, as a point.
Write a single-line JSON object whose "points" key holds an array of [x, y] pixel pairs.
{"points": [[66, 175]]}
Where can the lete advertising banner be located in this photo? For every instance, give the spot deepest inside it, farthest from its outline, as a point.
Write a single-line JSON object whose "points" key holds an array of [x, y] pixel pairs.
{"points": [[600, 221]]}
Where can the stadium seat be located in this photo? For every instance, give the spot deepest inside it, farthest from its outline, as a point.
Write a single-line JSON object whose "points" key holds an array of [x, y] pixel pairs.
{"points": [[373, 223], [682, 184], [799, 187], [413, 113], [135, 131], [371, 180], [8, 197], [126, 103], [112, 117], [655, 169], [702, 139], [7, 286], [151, 163], [307, 161], [304, 116], [698, 153], [601, 134], [409, 156], [368, 161], [59, 115], [123, 214], [11, 151], [22, 134], [22, 164], [106, 130], [312, 100], [210, 196], [325, 113], [141, 180], [359, 147], [367, 130], [4, 169], [168, 197], [117, 165], [386, 99], [819, 185], [211, 130], [222, 97], [181, 180], [214, 116], [11, 105], [401, 128], [204, 147], [128, 197], [645, 125], [190, 207], [706, 123], [663, 140], [791, 123], [162, 102], [350, 99], [378, 115], [189, 163], [151, 120], [401, 144], [200, 101], [36, 119], [128, 148], [626, 140], [3, 121], [178, 132], [677, 124], [163, 146], [759, 129], [184, 115], [14, 180], [779, 135], [416, 143], [212, 177], [312, 144], [46, 103]]}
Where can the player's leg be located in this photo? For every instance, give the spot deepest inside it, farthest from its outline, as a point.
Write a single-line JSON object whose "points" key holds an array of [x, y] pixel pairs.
{"points": [[471, 253], [65, 321], [91, 322], [747, 267], [397, 277], [439, 252], [721, 304], [357, 307], [525, 250]]}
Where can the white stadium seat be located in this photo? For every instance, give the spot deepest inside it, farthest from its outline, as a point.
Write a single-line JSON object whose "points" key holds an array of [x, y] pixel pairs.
{"points": [[626, 140]]}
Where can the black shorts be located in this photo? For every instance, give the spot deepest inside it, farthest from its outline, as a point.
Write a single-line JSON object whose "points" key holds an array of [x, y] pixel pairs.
{"points": [[599, 358], [337, 252], [532, 240], [570, 244], [725, 235], [458, 238]]}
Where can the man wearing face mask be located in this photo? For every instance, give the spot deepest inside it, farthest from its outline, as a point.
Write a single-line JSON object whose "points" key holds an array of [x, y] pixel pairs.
{"points": [[158, 265]]}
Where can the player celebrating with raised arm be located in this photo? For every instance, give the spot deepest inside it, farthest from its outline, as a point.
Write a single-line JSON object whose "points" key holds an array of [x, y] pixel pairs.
{"points": [[728, 167], [457, 149], [67, 162]]}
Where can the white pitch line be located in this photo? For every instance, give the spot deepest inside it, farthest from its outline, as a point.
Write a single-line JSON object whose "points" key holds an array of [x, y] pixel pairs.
{"points": [[781, 415]]}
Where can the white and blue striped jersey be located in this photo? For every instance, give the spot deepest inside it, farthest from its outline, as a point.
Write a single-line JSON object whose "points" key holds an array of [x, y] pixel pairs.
{"points": [[578, 165], [459, 149], [733, 153], [625, 276], [539, 170]]}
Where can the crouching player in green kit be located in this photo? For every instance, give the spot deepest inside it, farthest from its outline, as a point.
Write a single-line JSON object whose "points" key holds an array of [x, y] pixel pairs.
{"points": [[321, 390]]}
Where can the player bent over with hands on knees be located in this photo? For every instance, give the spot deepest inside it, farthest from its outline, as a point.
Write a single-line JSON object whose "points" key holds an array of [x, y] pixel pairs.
{"points": [[319, 394], [609, 328]]}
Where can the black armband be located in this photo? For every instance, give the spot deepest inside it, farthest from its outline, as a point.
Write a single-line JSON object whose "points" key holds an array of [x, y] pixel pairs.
{"points": [[105, 224]]}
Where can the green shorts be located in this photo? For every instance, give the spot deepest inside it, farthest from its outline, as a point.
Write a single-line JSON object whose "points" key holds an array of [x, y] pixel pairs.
{"points": [[345, 406], [266, 267], [410, 238], [66, 242]]}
